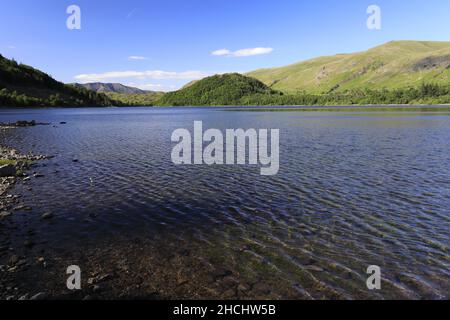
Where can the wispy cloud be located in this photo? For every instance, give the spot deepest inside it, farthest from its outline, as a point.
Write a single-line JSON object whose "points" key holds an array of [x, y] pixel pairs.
{"points": [[137, 58], [131, 14], [221, 52], [152, 74], [11, 47], [243, 52]]}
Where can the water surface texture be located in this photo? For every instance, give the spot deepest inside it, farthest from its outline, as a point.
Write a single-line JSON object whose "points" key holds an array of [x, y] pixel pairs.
{"points": [[353, 190]]}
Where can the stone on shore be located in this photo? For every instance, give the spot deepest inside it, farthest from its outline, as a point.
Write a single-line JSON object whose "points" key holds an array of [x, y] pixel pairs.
{"points": [[7, 170], [25, 123]]}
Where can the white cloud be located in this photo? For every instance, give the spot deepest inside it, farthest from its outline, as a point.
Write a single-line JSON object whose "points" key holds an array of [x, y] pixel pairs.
{"points": [[221, 52], [243, 52], [153, 87], [156, 74], [137, 58], [11, 47]]}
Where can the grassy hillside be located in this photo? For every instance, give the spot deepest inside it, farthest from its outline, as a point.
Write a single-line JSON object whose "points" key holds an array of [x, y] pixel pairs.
{"points": [[24, 86], [136, 99], [218, 90], [398, 64]]}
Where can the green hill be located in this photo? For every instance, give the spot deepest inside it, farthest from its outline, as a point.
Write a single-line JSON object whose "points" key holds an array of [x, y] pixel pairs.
{"points": [[218, 90], [24, 86], [136, 99], [395, 65]]}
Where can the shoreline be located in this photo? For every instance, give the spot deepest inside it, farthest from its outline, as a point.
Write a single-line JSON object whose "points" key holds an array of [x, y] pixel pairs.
{"points": [[359, 106]]}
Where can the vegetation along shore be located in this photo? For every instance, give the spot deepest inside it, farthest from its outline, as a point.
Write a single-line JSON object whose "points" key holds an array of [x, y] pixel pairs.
{"points": [[396, 73]]}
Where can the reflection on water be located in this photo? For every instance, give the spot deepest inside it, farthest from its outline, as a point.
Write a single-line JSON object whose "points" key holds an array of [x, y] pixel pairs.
{"points": [[353, 190]]}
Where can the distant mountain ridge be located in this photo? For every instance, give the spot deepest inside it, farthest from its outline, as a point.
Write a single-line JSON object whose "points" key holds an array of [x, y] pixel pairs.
{"points": [[394, 65], [110, 88]]}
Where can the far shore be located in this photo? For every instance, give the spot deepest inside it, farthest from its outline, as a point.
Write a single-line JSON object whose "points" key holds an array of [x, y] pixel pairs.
{"points": [[336, 108]]}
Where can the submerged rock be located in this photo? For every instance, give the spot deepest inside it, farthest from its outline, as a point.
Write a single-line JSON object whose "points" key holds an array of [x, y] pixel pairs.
{"points": [[47, 216], [5, 214], [14, 259]]}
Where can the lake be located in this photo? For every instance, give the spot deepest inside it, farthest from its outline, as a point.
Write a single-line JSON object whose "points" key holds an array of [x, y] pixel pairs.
{"points": [[354, 189]]}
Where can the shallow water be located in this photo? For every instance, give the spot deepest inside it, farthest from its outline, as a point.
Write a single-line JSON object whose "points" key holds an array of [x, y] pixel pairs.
{"points": [[354, 189]]}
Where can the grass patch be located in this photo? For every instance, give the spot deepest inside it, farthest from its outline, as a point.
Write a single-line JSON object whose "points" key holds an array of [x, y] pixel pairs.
{"points": [[6, 161]]}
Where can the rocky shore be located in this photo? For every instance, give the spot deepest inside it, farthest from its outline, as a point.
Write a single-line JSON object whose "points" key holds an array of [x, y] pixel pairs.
{"points": [[14, 167], [22, 123]]}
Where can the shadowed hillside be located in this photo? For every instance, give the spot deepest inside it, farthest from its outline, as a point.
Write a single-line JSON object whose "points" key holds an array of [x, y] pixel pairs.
{"points": [[24, 86]]}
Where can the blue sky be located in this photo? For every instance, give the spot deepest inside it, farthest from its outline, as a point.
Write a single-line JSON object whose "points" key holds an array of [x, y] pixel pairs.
{"points": [[175, 39]]}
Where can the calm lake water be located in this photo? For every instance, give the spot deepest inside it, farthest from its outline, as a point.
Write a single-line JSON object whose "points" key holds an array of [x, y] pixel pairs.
{"points": [[353, 190]]}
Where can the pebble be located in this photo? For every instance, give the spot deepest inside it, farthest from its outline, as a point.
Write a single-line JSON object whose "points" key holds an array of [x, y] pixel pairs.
{"points": [[39, 296], [221, 273], [22, 262], [262, 288], [314, 268], [243, 287], [5, 214], [229, 281], [13, 260], [104, 277], [229, 294], [24, 297], [47, 216], [96, 288]]}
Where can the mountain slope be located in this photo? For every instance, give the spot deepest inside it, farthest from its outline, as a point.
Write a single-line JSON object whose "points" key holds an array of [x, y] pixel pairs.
{"points": [[128, 96], [136, 99], [218, 90], [24, 86], [110, 88], [397, 64]]}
